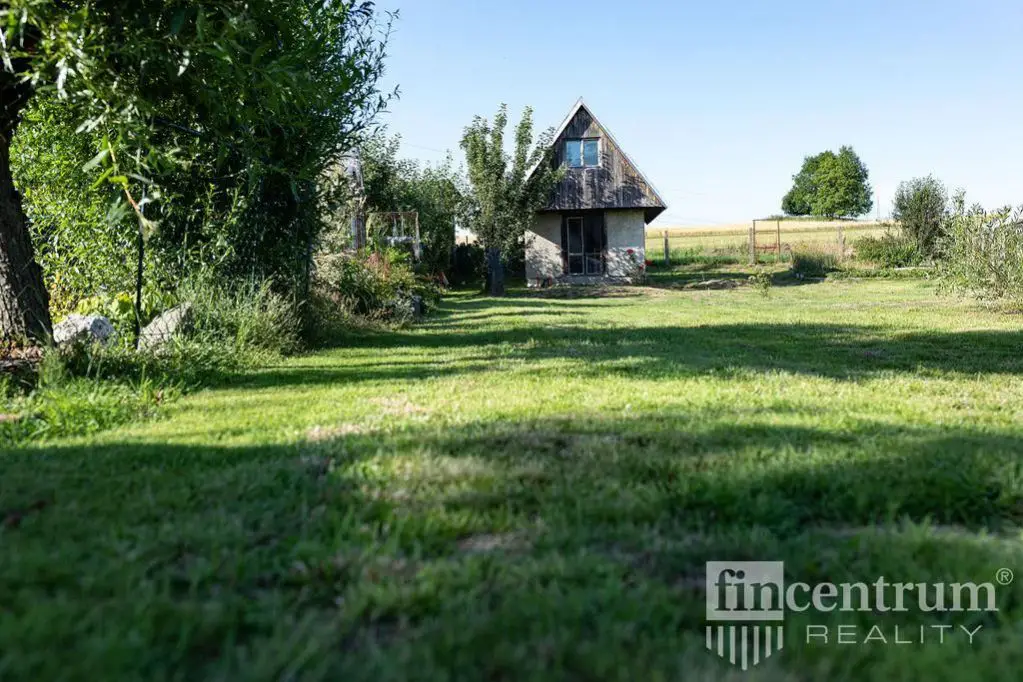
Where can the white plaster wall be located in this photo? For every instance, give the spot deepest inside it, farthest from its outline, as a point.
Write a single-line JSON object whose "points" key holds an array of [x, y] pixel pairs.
{"points": [[543, 248], [626, 229]]}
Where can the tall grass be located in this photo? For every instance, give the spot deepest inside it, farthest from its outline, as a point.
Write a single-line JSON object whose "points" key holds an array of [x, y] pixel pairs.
{"points": [[62, 404], [84, 389], [813, 263], [250, 319]]}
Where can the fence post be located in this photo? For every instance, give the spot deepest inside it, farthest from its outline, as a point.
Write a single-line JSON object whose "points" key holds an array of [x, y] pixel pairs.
{"points": [[841, 244], [667, 251], [778, 226], [753, 243]]}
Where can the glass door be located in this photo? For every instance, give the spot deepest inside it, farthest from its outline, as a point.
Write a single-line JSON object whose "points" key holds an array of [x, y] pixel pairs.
{"points": [[584, 244], [576, 256]]}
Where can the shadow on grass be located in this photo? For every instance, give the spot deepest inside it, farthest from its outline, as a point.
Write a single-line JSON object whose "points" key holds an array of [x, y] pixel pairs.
{"points": [[517, 533], [831, 351]]}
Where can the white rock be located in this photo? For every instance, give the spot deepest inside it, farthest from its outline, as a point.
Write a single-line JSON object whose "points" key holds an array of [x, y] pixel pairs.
{"points": [[84, 329], [171, 322]]}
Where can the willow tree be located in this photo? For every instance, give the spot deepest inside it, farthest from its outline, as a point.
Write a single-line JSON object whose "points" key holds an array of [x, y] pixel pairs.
{"points": [[506, 190], [174, 85]]}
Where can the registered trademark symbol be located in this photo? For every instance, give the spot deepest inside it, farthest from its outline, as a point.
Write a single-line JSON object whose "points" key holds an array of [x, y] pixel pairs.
{"points": [[1004, 576]]}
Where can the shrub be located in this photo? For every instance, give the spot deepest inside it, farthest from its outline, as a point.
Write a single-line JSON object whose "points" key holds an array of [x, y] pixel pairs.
{"points": [[920, 206], [809, 263], [888, 251], [762, 282], [377, 287], [982, 253]]}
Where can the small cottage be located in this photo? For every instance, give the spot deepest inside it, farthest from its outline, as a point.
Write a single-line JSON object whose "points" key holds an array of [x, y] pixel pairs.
{"points": [[594, 228]]}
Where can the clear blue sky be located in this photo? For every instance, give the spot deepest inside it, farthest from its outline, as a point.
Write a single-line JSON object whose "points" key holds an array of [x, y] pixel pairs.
{"points": [[718, 102]]}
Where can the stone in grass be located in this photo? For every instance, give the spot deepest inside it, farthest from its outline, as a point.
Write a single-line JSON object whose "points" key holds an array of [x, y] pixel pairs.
{"points": [[166, 326], [408, 307], [85, 329]]}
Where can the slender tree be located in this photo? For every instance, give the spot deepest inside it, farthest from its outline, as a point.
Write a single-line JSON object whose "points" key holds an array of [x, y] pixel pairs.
{"points": [[506, 190]]}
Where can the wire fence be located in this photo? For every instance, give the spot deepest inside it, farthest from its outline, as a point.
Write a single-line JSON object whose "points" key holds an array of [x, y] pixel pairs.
{"points": [[762, 241]]}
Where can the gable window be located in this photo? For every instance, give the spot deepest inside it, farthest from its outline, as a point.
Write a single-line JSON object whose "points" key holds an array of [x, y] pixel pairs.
{"points": [[582, 153]]}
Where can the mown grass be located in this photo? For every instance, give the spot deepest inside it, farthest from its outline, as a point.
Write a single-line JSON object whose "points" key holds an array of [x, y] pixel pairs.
{"points": [[529, 487]]}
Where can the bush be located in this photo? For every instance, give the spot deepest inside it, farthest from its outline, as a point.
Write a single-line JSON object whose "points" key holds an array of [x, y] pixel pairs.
{"points": [[920, 206], [888, 251], [377, 287], [807, 263], [762, 282], [982, 253]]}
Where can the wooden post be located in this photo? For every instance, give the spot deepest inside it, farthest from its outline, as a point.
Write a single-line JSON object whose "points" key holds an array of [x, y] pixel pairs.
{"points": [[778, 226], [419, 247], [139, 271], [841, 244], [753, 243], [667, 251]]}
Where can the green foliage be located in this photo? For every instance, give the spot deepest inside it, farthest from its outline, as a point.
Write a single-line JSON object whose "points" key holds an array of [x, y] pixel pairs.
{"points": [[762, 282], [213, 119], [799, 200], [391, 184], [119, 308], [505, 195], [250, 320], [813, 263], [81, 244], [830, 185], [982, 252], [233, 327], [378, 287], [87, 389], [62, 404], [919, 207], [888, 251]]}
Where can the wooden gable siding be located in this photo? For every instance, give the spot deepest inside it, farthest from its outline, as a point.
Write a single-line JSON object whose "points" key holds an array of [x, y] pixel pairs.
{"points": [[614, 184]]}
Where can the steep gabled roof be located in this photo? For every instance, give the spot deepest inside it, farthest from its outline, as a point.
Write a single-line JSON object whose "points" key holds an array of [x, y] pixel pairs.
{"points": [[620, 183]]}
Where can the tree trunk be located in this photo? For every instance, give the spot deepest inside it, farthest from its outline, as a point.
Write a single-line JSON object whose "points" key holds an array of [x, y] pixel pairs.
{"points": [[24, 302], [495, 272]]}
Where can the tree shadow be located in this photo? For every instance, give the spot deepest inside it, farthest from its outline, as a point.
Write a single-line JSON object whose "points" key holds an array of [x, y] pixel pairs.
{"points": [[831, 351], [386, 540]]}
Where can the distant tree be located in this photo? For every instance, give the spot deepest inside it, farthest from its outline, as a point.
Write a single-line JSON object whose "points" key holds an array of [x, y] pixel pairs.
{"points": [[799, 200], [504, 196], [920, 208], [830, 185]]}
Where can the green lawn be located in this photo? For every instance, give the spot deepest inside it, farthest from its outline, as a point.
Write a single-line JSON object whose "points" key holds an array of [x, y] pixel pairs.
{"points": [[529, 488]]}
